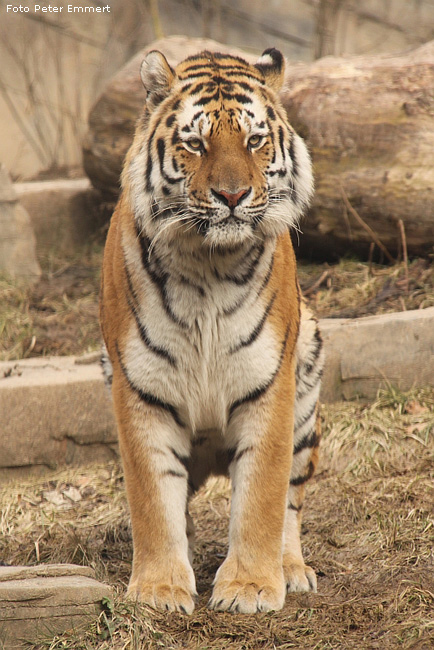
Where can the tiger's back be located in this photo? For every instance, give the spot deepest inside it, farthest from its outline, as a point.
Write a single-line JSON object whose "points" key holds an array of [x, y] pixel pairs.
{"points": [[200, 313]]}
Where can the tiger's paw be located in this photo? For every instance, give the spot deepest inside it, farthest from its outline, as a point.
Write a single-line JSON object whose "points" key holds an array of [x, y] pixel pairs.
{"points": [[299, 577], [247, 594], [173, 592]]}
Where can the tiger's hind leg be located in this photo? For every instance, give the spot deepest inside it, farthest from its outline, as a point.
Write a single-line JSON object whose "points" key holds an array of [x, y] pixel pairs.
{"points": [[298, 576]]}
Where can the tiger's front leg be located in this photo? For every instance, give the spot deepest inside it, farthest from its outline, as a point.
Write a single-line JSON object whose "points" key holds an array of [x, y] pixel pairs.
{"points": [[154, 452], [251, 579]]}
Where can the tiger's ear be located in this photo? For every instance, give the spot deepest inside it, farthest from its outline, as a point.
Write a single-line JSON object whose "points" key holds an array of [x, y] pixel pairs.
{"points": [[272, 65], [157, 77]]}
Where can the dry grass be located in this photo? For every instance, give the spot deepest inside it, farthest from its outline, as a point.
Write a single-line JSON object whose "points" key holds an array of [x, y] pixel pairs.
{"points": [[368, 532], [351, 289], [59, 314]]}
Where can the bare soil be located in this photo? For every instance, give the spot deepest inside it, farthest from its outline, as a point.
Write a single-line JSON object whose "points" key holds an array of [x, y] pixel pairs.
{"points": [[368, 532]]}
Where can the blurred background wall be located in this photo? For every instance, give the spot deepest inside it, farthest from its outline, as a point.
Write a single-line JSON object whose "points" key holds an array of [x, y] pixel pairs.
{"points": [[53, 65]]}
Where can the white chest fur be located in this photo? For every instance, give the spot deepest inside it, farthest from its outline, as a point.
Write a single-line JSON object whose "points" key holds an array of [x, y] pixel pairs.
{"points": [[205, 318]]}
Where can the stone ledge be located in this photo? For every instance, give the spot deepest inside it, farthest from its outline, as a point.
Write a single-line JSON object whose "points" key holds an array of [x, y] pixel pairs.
{"points": [[39, 602], [64, 213], [56, 410], [365, 354]]}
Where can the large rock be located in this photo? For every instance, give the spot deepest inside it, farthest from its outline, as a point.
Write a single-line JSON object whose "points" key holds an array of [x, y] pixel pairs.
{"points": [[36, 603], [17, 239], [368, 121]]}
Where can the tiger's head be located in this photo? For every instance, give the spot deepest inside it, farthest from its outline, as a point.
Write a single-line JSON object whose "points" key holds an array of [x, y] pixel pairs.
{"points": [[214, 159]]}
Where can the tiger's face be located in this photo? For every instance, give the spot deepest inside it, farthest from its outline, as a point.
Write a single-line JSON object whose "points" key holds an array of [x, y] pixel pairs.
{"points": [[214, 160]]}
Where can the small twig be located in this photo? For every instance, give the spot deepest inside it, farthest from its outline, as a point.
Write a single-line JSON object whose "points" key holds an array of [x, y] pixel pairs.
{"points": [[371, 254], [365, 226], [317, 284], [404, 252]]}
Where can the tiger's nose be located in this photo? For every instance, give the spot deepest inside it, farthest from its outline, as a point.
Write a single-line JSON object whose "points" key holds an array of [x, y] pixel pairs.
{"points": [[231, 199]]}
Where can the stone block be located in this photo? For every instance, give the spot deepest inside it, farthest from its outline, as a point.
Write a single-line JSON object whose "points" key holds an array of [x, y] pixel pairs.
{"points": [[36, 603], [54, 412], [365, 354]]}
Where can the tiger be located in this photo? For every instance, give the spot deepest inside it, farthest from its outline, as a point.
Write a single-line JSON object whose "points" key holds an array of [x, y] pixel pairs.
{"points": [[214, 361]]}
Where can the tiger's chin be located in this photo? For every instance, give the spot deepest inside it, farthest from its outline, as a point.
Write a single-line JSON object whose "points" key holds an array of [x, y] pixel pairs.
{"points": [[230, 236]]}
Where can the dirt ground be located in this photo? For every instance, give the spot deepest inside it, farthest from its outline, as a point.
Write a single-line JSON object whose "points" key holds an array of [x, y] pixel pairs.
{"points": [[368, 532]]}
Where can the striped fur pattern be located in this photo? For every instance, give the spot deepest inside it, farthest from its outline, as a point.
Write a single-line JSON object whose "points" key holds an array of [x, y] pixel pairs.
{"points": [[214, 363]]}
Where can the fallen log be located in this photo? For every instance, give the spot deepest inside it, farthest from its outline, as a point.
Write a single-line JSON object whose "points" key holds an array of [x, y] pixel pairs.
{"points": [[369, 123]]}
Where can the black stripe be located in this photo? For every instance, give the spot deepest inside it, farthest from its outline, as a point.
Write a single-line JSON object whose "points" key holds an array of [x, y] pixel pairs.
{"points": [[148, 398], [237, 305], [291, 506], [159, 279], [239, 97], [299, 423], [245, 86], [282, 142], [188, 283], [308, 367], [170, 120], [234, 454], [194, 75], [279, 172], [304, 387], [305, 477], [245, 277], [182, 459], [271, 114], [161, 150], [175, 136], [261, 390], [172, 472], [271, 136], [267, 277], [149, 163], [207, 98], [292, 155], [309, 441], [255, 333], [161, 352]]}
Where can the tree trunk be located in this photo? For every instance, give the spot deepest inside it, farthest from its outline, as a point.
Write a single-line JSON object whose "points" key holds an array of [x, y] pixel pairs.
{"points": [[369, 123]]}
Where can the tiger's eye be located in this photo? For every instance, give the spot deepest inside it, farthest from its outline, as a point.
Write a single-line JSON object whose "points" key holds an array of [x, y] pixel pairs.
{"points": [[255, 140], [195, 143]]}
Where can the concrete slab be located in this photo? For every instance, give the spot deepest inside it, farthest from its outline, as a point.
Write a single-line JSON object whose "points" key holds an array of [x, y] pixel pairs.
{"points": [[36, 603]]}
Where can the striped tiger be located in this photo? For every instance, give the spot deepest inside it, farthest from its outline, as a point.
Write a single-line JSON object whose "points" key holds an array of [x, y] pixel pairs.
{"points": [[215, 364]]}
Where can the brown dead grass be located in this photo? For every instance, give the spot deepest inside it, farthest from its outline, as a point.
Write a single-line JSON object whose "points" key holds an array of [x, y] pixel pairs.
{"points": [[351, 289], [368, 532], [59, 314]]}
